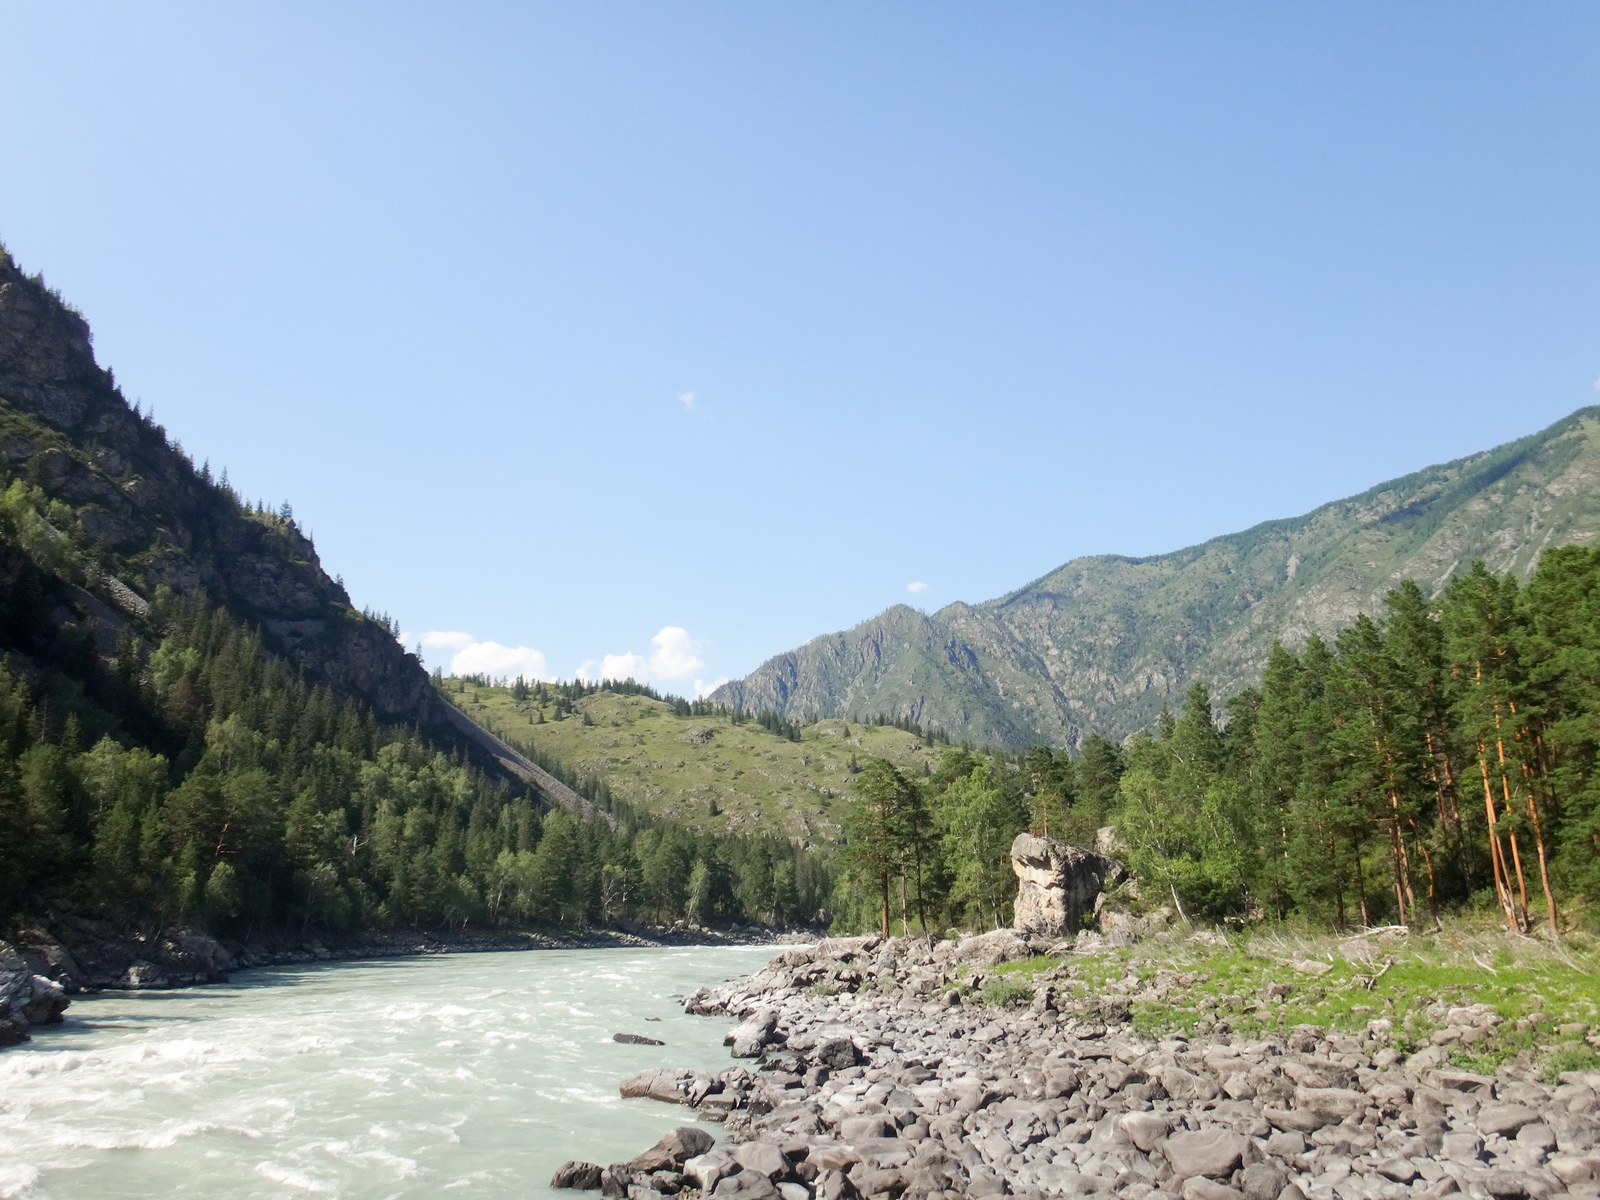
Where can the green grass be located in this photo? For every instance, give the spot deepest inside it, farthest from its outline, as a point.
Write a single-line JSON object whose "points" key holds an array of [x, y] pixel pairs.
{"points": [[1004, 990], [1535, 987], [758, 782]]}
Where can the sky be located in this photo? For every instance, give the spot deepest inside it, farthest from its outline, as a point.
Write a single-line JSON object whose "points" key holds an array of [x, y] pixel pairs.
{"points": [[657, 338]]}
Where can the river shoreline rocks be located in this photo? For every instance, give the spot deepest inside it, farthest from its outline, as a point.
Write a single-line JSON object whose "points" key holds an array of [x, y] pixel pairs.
{"points": [[870, 1070]]}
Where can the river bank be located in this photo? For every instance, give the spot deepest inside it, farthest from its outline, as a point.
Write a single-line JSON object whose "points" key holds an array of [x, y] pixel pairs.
{"points": [[889, 1069], [48, 964]]}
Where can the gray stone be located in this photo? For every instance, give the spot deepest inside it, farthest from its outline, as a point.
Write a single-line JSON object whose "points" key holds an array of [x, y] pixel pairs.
{"points": [[1462, 1081], [836, 1053], [855, 1129], [584, 1176], [762, 1157], [1211, 1152], [1263, 1181], [1200, 1188], [710, 1167], [1462, 1146], [1286, 1145], [747, 1185], [1401, 1170], [1503, 1118], [673, 1150], [1331, 1102], [1144, 1129], [635, 1039]]}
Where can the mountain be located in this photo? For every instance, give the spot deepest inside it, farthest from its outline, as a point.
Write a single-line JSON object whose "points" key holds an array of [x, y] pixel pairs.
{"points": [[128, 514], [139, 515], [1103, 641]]}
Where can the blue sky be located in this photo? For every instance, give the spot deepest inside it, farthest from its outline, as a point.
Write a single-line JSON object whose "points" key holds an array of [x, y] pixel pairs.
{"points": [[681, 333]]}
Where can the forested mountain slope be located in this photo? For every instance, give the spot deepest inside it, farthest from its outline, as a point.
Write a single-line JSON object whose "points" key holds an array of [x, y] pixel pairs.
{"points": [[136, 513], [1101, 642]]}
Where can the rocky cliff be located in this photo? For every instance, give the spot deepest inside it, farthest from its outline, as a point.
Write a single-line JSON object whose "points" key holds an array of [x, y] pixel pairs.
{"points": [[137, 514], [1100, 643]]}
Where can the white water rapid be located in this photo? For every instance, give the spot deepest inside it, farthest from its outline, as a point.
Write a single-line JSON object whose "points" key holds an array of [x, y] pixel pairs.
{"points": [[469, 1073]]}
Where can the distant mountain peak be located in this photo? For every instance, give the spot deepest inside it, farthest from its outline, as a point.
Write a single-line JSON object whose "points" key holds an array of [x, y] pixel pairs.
{"points": [[1102, 641]]}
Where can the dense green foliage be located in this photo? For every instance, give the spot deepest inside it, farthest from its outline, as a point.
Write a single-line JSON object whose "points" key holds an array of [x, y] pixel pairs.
{"points": [[1442, 757]]}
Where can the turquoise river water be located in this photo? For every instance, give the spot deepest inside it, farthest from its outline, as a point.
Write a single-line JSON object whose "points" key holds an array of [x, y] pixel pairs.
{"points": [[475, 1074]]}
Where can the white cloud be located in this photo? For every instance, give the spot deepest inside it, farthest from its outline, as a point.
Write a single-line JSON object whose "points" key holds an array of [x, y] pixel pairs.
{"points": [[491, 658], [1597, 385], [436, 639], [687, 398], [677, 654], [473, 657], [703, 689], [623, 666], [914, 588]]}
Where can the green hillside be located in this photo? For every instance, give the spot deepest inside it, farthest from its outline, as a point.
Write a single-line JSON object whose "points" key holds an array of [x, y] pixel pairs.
{"points": [[1102, 642], [703, 772]]}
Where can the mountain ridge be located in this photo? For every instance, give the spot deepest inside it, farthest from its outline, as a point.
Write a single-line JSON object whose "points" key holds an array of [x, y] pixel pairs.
{"points": [[1100, 642]]}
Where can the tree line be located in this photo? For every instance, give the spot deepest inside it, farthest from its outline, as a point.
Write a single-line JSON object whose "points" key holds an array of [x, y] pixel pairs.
{"points": [[198, 781], [1439, 755]]}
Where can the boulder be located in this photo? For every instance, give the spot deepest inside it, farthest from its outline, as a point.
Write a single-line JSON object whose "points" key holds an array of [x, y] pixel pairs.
{"points": [[635, 1039], [747, 1185], [16, 994], [835, 1053], [1209, 1152], [1331, 1102], [750, 1036], [673, 1150], [1057, 884], [1264, 1181], [669, 1085], [763, 1158], [711, 1167], [1144, 1129], [1198, 1187], [585, 1176], [1504, 1118]]}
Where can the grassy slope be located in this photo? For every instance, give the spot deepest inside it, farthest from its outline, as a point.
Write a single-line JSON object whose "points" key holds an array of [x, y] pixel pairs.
{"points": [[759, 782], [1100, 642], [1548, 996]]}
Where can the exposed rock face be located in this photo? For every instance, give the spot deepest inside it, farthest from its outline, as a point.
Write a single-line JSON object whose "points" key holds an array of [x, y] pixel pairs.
{"points": [[25, 998], [65, 426], [1057, 884]]}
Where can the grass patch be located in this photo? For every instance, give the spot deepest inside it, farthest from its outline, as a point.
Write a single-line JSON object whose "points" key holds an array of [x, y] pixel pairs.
{"points": [[1534, 986], [1005, 990]]}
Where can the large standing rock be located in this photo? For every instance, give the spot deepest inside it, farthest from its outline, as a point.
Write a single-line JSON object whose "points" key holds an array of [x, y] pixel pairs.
{"points": [[25, 998], [1057, 884]]}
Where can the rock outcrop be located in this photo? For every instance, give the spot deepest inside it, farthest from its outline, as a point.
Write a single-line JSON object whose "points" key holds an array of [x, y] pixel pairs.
{"points": [[26, 998], [1057, 884]]}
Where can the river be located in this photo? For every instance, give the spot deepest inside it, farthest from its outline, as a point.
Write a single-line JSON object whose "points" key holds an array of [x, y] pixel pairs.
{"points": [[469, 1073]]}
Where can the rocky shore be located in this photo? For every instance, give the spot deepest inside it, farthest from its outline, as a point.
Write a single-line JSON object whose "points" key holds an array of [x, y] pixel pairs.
{"points": [[873, 1068]]}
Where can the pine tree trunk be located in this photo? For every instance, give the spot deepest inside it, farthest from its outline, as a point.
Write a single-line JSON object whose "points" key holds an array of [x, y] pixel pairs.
{"points": [[1502, 884]]}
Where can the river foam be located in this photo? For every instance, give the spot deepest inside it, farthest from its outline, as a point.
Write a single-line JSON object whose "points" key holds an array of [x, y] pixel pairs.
{"points": [[477, 1073]]}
